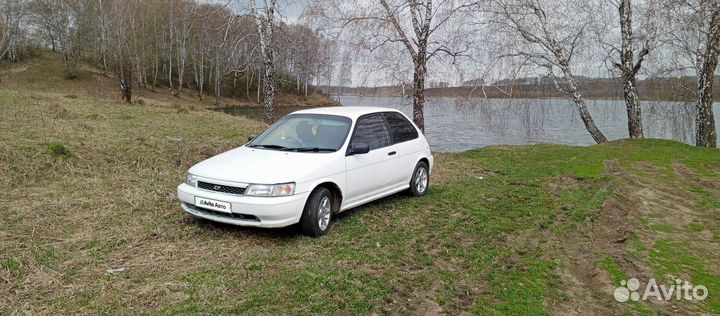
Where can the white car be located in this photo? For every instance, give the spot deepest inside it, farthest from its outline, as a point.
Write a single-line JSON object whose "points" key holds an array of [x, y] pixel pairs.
{"points": [[308, 166]]}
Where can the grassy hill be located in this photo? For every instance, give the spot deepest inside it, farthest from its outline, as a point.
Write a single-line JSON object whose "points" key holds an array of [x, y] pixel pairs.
{"points": [[90, 224], [45, 72]]}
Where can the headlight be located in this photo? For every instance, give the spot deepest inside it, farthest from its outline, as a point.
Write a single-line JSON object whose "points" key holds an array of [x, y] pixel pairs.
{"points": [[191, 180], [282, 189]]}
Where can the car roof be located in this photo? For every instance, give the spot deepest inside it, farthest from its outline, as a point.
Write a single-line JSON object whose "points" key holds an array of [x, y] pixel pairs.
{"points": [[352, 112]]}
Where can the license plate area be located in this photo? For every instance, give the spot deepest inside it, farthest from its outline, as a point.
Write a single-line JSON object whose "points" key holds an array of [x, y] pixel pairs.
{"points": [[214, 205]]}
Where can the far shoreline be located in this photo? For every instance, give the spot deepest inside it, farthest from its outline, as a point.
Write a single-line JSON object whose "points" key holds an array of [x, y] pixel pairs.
{"points": [[431, 98]]}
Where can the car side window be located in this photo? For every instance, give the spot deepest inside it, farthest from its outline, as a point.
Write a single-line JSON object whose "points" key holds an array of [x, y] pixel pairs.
{"points": [[400, 128], [371, 130]]}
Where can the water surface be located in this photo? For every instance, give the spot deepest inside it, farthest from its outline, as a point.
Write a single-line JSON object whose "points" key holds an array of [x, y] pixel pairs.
{"points": [[458, 125]]}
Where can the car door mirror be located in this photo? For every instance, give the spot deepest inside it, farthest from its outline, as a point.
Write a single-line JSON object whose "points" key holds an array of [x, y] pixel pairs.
{"points": [[251, 137], [358, 149]]}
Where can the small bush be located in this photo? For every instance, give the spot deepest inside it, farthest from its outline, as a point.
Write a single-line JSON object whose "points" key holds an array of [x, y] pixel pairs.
{"points": [[71, 96], [59, 150]]}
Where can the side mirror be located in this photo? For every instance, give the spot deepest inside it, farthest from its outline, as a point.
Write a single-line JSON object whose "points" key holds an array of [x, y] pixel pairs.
{"points": [[251, 137], [358, 149]]}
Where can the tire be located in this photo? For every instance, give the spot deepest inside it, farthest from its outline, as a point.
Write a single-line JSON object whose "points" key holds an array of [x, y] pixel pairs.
{"points": [[420, 181], [317, 214]]}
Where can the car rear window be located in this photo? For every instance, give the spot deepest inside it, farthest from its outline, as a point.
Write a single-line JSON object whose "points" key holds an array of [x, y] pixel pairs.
{"points": [[401, 129]]}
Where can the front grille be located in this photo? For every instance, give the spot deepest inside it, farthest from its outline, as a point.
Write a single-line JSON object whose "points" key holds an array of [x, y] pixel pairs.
{"points": [[245, 217], [220, 188]]}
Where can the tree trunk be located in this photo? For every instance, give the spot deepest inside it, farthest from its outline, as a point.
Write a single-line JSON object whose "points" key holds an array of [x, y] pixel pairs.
{"points": [[52, 42], [181, 72], [202, 75], [269, 86], [579, 101], [629, 69], [218, 79], [267, 49], [170, 55], [632, 102], [156, 67], [69, 66], [706, 135], [248, 79], [419, 91], [588, 120], [182, 57]]}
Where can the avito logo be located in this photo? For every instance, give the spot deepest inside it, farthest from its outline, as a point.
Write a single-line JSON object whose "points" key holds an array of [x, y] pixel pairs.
{"points": [[679, 290]]}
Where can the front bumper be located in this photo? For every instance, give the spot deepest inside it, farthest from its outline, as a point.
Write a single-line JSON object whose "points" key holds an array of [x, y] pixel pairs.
{"points": [[245, 210]]}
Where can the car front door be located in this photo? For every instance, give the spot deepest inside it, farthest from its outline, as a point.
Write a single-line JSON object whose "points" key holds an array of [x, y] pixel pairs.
{"points": [[368, 174]]}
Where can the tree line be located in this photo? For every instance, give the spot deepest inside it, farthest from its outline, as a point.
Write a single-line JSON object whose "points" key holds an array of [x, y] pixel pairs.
{"points": [[210, 48], [551, 38], [202, 46]]}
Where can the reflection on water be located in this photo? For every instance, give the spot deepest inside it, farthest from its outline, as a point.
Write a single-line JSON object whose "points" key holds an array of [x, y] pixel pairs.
{"points": [[458, 125]]}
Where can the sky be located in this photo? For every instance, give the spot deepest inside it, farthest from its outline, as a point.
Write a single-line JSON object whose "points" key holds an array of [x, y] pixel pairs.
{"points": [[290, 10], [365, 70]]}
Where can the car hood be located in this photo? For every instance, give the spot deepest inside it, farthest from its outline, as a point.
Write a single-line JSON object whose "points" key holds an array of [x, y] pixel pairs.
{"points": [[253, 165]]}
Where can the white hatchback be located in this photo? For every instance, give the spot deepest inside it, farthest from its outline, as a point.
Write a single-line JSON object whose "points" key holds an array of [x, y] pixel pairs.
{"points": [[308, 166]]}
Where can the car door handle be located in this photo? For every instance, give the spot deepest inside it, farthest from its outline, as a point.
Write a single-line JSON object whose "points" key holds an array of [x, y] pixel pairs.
{"points": [[392, 153]]}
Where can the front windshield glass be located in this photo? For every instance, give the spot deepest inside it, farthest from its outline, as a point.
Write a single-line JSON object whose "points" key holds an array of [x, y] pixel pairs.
{"points": [[305, 132]]}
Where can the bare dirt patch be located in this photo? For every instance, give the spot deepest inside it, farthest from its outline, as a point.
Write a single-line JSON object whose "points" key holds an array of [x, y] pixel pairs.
{"points": [[637, 204]]}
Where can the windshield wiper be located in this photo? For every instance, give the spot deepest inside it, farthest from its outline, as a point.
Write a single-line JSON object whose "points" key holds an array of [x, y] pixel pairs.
{"points": [[308, 149], [269, 146]]}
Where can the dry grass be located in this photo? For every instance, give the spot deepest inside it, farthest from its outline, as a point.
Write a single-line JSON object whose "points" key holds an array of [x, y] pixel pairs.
{"points": [[45, 72], [94, 185]]}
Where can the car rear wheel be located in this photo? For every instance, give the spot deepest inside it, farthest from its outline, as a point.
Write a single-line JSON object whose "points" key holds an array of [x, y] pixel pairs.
{"points": [[315, 220], [420, 181]]}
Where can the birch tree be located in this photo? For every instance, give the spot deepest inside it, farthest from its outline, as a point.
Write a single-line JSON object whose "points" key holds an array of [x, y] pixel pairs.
{"points": [[707, 61], [696, 40], [12, 13], [104, 32], [264, 22], [629, 66], [550, 42], [183, 29], [424, 29], [628, 32]]}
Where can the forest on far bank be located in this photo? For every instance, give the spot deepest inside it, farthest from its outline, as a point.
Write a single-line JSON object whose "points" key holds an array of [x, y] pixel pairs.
{"points": [[677, 89]]}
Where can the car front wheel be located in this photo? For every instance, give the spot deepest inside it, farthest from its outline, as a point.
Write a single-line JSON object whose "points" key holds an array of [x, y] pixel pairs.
{"points": [[420, 180], [315, 220]]}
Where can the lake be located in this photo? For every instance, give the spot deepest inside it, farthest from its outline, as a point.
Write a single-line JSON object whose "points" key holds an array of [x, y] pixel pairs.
{"points": [[459, 125]]}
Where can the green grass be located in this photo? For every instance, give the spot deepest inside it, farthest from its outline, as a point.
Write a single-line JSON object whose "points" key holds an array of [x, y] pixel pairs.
{"points": [[672, 260], [497, 245]]}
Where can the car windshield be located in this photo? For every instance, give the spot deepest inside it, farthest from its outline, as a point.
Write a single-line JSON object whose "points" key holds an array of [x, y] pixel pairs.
{"points": [[305, 133]]}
